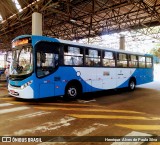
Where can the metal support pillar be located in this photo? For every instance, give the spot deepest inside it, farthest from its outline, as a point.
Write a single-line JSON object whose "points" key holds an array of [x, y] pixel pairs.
{"points": [[122, 42], [36, 23]]}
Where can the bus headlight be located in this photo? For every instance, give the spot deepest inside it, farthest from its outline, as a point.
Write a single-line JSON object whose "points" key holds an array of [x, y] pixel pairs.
{"points": [[26, 84]]}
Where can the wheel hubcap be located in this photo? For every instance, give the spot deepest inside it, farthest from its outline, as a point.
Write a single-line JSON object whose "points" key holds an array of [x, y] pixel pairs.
{"points": [[72, 92], [132, 85]]}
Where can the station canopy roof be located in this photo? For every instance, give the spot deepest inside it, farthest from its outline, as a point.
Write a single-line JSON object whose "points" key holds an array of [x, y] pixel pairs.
{"points": [[76, 19]]}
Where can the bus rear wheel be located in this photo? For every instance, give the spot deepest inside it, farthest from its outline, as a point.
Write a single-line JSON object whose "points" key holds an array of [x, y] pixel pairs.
{"points": [[132, 85], [72, 91]]}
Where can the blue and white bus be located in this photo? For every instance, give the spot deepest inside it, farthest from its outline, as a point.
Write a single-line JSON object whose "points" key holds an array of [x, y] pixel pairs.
{"points": [[44, 67]]}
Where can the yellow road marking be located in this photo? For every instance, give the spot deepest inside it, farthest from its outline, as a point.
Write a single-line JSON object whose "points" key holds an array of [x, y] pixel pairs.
{"points": [[153, 143], [14, 102], [140, 127], [34, 103], [66, 104], [7, 98], [88, 109], [87, 116], [56, 104]]}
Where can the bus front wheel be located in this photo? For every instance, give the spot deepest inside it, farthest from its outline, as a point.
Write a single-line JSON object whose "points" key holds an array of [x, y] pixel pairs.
{"points": [[72, 91]]}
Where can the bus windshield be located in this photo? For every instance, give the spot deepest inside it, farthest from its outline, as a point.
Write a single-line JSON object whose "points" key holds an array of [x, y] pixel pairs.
{"points": [[22, 63]]}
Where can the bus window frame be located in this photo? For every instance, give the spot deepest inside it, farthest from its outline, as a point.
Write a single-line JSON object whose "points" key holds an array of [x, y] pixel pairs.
{"points": [[35, 60]]}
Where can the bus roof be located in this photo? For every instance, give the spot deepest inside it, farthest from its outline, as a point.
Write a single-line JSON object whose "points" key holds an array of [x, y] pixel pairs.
{"points": [[80, 44]]}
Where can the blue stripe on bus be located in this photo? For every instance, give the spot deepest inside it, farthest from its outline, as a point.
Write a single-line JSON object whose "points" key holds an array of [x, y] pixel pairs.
{"points": [[66, 74], [140, 78]]}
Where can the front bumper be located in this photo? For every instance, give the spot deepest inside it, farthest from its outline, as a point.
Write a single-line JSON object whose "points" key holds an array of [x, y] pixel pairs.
{"points": [[26, 93]]}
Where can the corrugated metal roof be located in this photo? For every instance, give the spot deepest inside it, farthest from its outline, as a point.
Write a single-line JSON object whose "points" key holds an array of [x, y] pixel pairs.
{"points": [[75, 19]]}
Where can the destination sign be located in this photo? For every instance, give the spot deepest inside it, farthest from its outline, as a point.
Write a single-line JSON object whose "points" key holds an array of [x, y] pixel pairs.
{"points": [[21, 41]]}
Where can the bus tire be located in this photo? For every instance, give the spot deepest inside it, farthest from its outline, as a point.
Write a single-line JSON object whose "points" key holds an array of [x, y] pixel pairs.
{"points": [[73, 91], [132, 84]]}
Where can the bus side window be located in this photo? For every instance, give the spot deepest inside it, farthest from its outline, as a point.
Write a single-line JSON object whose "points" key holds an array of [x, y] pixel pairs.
{"points": [[47, 55], [73, 56], [108, 59], [121, 60], [46, 63], [92, 57], [133, 62], [66, 59], [87, 60], [141, 60], [148, 62]]}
